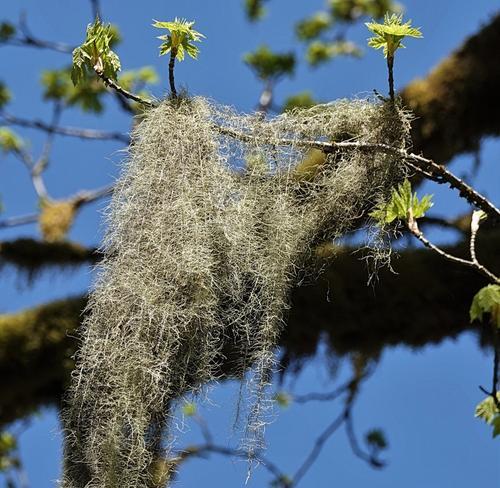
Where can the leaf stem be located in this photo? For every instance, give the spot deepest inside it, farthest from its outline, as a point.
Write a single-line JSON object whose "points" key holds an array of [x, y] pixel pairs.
{"points": [[390, 68], [171, 66]]}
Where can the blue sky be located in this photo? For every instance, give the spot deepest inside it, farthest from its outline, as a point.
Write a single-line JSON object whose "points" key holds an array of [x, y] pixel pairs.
{"points": [[424, 399]]}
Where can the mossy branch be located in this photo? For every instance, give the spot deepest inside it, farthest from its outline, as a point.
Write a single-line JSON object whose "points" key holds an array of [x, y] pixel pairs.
{"points": [[34, 366]]}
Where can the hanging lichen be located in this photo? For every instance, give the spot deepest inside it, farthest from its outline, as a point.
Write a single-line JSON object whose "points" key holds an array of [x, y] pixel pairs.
{"points": [[56, 219], [200, 258]]}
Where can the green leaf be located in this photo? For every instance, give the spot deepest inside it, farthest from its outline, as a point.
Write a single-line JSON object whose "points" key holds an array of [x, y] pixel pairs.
{"points": [[135, 80], [10, 141], [352, 10], [388, 36], [180, 38], [268, 65], [496, 426], [189, 409], [96, 54], [255, 9], [87, 93], [7, 31], [7, 443], [402, 205], [313, 26], [283, 399], [282, 481], [487, 409], [318, 51], [376, 439], [5, 95], [486, 301], [303, 99]]}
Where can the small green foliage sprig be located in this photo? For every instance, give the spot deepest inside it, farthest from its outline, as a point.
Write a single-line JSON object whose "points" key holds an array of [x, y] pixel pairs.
{"points": [[388, 36], [179, 40], [5, 95], [403, 205], [268, 65], [488, 411], [95, 54], [10, 141], [255, 9], [7, 31], [8, 446], [486, 301]]}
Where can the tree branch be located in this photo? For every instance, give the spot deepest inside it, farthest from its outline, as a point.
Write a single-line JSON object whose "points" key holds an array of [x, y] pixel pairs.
{"points": [[474, 263], [64, 131]]}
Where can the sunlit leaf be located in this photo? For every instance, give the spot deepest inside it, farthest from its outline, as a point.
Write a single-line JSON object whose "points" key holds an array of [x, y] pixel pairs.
{"points": [[269, 65], [487, 409], [5, 95], [402, 205], [486, 301], [179, 39], [189, 409], [388, 36], [96, 54], [10, 141]]}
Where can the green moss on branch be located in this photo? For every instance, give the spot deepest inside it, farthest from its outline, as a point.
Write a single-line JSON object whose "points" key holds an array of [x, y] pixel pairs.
{"points": [[458, 103]]}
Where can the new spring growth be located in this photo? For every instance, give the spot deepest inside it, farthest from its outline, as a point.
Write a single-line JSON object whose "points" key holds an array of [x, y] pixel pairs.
{"points": [[388, 36], [177, 42]]}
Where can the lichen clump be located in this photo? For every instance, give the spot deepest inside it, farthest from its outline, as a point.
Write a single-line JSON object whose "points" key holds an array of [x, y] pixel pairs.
{"points": [[208, 231], [56, 219]]}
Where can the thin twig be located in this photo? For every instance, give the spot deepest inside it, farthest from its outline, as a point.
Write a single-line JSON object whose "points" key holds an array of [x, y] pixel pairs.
{"points": [[203, 449], [115, 86], [317, 447], [333, 395], [355, 447], [81, 198], [64, 131], [96, 10], [26, 39], [20, 220], [413, 228]]}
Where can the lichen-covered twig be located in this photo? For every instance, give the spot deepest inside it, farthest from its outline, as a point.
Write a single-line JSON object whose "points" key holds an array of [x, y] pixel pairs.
{"points": [[429, 168], [81, 198]]}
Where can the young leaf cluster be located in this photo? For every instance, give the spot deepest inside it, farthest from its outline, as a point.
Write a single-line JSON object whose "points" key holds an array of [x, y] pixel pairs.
{"points": [[180, 38], [9, 141], [317, 30], [351, 10], [488, 411], [268, 65], [303, 99], [388, 36], [5, 95], [59, 86], [255, 9], [402, 205], [8, 445], [486, 301], [375, 438], [319, 51], [95, 54], [7, 31]]}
